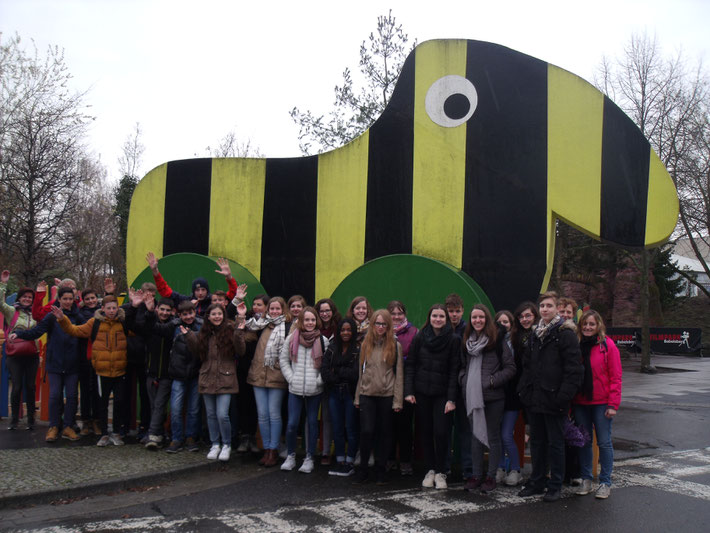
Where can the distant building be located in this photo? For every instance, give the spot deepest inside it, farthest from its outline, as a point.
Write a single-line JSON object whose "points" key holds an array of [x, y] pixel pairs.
{"points": [[686, 259]]}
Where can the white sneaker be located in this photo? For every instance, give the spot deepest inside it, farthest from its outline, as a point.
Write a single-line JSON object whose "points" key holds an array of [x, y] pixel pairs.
{"points": [[116, 439], [356, 462], [371, 461], [214, 452], [585, 488], [440, 481], [225, 453], [500, 475], [307, 466], [290, 463], [514, 478], [428, 482], [105, 440], [603, 491]]}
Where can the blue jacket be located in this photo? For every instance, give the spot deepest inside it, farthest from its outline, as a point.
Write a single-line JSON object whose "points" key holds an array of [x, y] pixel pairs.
{"points": [[63, 351]]}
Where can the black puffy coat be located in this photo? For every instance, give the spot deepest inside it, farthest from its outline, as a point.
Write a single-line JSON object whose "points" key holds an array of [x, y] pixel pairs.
{"points": [[183, 363], [432, 365], [552, 370], [341, 369], [158, 347]]}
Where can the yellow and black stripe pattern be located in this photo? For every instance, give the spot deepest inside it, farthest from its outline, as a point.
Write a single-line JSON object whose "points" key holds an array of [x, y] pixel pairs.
{"points": [[480, 149]]}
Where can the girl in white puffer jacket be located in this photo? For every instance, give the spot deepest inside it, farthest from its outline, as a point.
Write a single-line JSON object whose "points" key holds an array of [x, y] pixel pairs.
{"points": [[300, 361]]}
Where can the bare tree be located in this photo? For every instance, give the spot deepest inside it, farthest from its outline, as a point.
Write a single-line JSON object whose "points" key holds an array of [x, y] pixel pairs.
{"points": [[131, 158], [93, 235], [669, 103], [231, 146], [356, 109], [43, 123]]}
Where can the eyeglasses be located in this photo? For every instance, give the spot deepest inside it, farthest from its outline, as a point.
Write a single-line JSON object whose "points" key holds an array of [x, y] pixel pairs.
{"points": [[527, 315], [380, 324]]}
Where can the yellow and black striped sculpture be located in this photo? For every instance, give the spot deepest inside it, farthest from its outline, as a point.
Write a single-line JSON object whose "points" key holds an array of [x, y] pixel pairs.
{"points": [[478, 152]]}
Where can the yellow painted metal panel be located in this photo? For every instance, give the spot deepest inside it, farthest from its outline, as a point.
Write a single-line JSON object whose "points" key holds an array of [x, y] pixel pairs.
{"points": [[146, 220], [237, 211], [574, 150], [342, 204], [439, 168], [662, 206]]}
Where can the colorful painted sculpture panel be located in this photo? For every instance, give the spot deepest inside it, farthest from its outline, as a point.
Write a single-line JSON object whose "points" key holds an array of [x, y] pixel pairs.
{"points": [[479, 150]]}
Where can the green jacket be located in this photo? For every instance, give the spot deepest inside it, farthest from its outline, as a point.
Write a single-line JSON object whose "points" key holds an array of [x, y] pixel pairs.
{"points": [[24, 321]]}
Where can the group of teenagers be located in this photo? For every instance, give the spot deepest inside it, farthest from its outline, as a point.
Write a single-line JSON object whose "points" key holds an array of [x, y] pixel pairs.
{"points": [[374, 378]]}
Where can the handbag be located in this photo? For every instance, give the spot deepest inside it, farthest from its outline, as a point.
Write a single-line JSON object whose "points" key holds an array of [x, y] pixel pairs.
{"points": [[575, 435], [19, 347]]}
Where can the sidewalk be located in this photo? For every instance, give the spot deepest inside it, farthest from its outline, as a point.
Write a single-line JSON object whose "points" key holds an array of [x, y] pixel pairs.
{"points": [[34, 472]]}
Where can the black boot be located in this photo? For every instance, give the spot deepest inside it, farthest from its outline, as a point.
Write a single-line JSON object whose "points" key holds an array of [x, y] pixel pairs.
{"points": [[361, 476]]}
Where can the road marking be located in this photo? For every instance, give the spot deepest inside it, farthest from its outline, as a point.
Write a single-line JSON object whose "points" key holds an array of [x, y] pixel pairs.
{"points": [[406, 510]]}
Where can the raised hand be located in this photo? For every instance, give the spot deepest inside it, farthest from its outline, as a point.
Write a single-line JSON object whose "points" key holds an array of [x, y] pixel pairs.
{"points": [[242, 309], [241, 291], [149, 300], [57, 312], [152, 262], [57, 281], [136, 297], [5, 276], [42, 286], [224, 268], [109, 286]]}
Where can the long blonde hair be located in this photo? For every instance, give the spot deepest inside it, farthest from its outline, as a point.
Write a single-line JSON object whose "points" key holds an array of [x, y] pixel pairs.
{"points": [[389, 348], [601, 328]]}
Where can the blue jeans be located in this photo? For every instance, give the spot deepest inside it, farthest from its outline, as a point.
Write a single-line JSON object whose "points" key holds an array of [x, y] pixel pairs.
{"points": [[586, 416], [59, 385], [217, 409], [180, 390], [268, 408], [294, 415], [344, 418], [510, 449]]}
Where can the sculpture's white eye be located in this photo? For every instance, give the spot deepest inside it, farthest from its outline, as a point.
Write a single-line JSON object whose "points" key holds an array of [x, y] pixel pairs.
{"points": [[451, 101]]}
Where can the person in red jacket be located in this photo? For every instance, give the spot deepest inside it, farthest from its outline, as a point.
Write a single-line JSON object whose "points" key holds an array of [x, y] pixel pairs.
{"points": [[598, 400]]}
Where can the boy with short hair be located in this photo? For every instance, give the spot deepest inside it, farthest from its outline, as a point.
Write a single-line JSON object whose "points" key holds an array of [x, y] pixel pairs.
{"points": [[454, 308], [61, 365], [183, 369], [108, 357], [158, 382], [89, 398], [200, 296]]}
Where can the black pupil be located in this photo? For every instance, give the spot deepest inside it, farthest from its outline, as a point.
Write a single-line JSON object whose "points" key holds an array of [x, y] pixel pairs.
{"points": [[456, 106]]}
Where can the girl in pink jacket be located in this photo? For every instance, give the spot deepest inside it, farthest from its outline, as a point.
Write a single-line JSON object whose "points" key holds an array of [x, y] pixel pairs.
{"points": [[598, 400]]}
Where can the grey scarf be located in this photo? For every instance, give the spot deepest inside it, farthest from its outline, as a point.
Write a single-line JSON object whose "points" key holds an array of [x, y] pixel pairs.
{"points": [[473, 389], [276, 340]]}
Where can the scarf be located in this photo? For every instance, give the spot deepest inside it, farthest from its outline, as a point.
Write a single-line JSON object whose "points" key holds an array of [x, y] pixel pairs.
{"points": [[276, 340], [473, 389], [586, 348], [307, 339], [26, 308], [543, 329], [434, 342], [402, 328], [362, 326], [257, 324]]}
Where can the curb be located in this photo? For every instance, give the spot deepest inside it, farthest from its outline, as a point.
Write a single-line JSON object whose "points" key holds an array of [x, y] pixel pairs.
{"points": [[31, 498]]}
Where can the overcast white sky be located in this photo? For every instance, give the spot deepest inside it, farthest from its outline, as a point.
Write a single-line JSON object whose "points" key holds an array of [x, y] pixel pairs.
{"points": [[190, 71]]}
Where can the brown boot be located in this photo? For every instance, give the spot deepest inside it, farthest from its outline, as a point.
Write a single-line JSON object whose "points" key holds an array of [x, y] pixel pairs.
{"points": [[264, 457], [272, 459], [52, 434]]}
